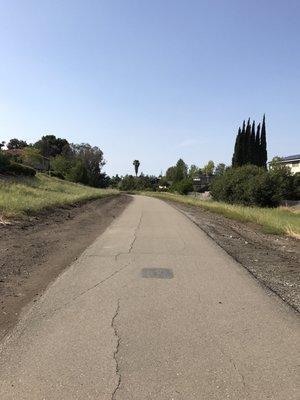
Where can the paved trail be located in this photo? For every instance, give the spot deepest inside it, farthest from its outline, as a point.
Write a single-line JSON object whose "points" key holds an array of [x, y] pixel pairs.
{"points": [[112, 327]]}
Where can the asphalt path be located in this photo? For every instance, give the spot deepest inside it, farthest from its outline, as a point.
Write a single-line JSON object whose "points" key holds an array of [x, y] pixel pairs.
{"points": [[153, 309]]}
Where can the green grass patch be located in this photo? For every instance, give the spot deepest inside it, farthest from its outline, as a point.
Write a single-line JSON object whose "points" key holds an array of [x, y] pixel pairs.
{"points": [[271, 220], [24, 195]]}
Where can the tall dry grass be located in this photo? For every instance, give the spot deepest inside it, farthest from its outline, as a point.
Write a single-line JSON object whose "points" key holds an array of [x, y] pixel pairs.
{"points": [[281, 220]]}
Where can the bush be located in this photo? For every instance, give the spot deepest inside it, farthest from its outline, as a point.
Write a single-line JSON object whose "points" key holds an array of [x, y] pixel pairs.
{"points": [[296, 187], [20, 169], [250, 185], [142, 182], [58, 175], [129, 182], [183, 187], [4, 162], [78, 173]]}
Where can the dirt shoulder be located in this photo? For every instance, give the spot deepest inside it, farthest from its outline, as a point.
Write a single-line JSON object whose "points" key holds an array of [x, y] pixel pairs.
{"points": [[33, 252], [273, 260]]}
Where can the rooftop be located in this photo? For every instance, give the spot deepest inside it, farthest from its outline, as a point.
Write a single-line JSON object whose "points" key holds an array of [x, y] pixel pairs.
{"points": [[291, 158]]}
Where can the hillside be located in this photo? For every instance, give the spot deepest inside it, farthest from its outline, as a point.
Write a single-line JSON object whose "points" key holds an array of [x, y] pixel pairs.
{"points": [[23, 195]]}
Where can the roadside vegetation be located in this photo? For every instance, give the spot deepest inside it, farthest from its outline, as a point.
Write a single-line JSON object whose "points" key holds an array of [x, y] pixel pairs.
{"points": [[278, 220], [249, 190], [79, 163], [246, 191], [24, 195]]}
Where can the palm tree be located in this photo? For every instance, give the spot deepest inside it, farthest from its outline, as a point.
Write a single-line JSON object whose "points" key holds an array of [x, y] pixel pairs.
{"points": [[136, 164]]}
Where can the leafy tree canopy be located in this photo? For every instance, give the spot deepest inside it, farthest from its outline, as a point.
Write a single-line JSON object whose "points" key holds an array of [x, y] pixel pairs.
{"points": [[51, 146], [16, 144], [209, 168]]}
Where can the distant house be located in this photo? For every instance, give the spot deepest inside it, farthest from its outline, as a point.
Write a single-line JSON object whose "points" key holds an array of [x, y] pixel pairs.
{"points": [[293, 162], [201, 183]]}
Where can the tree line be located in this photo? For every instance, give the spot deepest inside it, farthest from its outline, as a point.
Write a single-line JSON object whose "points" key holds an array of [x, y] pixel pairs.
{"points": [[178, 178], [81, 163]]}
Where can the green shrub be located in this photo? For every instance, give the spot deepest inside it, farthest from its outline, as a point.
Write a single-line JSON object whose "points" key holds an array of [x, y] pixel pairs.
{"points": [[21, 169], [4, 162], [129, 182], [142, 182], [56, 174], [61, 165], [296, 187], [183, 187], [250, 185], [78, 173]]}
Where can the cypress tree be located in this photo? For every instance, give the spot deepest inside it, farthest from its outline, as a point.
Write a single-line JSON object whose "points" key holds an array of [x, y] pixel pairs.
{"points": [[263, 144], [237, 150], [243, 146], [257, 146], [252, 145], [247, 148]]}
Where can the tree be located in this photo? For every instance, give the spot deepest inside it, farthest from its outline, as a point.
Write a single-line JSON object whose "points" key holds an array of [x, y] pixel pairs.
{"points": [[104, 181], [2, 144], [16, 144], [62, 165], [4, 162], [115, 181], [243, 146], [128, 183], [208, 169], [89, 161], [142, 182], [136, 164], [51, 146], [276, 164], [220, 169], [236, 159], [193, 171], [247, 150], [78, 172], [32, 156], [263, 145], [181, 170], [183, 187], [257, 146], [170, 174], [252, 145]]}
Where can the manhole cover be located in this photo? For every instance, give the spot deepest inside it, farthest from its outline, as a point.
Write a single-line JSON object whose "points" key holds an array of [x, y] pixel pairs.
{"points": [[157, 273]]}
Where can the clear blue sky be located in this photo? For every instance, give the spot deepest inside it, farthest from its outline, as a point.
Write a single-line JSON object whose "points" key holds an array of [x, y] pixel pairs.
{"points": [[151, 79]]}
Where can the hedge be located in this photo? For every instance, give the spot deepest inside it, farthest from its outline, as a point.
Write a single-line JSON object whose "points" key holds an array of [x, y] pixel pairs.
{"points": [[21, 169]]}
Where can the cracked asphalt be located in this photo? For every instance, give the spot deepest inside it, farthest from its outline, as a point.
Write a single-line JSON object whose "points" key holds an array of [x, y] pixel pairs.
{"points": [[104, 331]]}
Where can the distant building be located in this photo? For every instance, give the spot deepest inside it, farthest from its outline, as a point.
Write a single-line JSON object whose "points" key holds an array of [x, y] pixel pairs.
{"points": [[293, 162], [201, 183]]}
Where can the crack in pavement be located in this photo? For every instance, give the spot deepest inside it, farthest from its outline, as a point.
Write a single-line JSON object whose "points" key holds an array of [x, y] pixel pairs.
{"points": [[134, 238], [115, 354], [135, 233], [239, 372], [232, 362], [100, 282], [52, 312], [119, 378], [108, 277]]}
